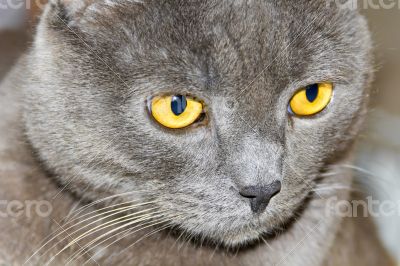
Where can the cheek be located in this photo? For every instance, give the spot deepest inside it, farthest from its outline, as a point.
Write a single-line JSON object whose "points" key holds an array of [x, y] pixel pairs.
{"points": [[176, 159], [308, 148], [311, 143]]}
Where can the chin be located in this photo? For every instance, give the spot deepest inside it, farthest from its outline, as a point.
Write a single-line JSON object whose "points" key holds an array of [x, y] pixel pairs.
{"points": [[227, 236], [240, 240]]}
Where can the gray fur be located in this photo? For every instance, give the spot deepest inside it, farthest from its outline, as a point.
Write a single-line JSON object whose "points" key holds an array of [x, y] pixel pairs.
{"points": [[95, 63]]}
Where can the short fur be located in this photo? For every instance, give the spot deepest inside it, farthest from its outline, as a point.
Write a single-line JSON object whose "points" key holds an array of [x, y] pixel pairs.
{"points": [[85, 85]]}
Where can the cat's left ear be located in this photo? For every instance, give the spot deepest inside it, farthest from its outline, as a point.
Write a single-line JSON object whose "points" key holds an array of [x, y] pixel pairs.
{"points": [[70, 12]]}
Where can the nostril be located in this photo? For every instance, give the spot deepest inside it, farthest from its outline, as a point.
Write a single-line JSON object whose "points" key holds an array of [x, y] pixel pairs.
{"points": [[260, 196], [275, 188], [249, 192]]}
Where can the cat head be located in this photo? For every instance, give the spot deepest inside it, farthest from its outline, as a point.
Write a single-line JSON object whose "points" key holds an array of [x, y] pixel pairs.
{"points": [[248, 158]]}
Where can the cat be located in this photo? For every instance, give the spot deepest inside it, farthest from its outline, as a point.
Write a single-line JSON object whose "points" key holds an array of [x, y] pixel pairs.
{"points": [[238, 185]]}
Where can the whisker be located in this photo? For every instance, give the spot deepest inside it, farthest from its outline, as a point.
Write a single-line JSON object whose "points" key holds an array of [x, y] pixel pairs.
{"points": [[76, 212], [186, 241], [368, 174], [113, 223], [75, 217], [370, 181], [367, 179], [266, 243], [100, 227], [332, 190], [177, 239], [336, 186], [128, 230], [328, 174], [145, 236], [60, 231], [122, 208], [214, 251], [113, 212], [160, 219]]}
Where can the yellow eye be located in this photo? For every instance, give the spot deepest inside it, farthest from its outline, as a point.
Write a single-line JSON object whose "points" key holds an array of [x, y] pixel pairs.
{"points": [[176, 111], [312, 99]]}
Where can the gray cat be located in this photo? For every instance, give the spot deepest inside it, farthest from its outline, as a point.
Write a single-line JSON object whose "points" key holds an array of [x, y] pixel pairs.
{"points": [[267, 99]]}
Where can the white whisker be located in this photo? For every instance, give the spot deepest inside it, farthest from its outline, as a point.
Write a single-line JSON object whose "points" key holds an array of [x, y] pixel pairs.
{"points": [[78, 255], [101, 227], [76, 212], [110, 214], [147, 235]]}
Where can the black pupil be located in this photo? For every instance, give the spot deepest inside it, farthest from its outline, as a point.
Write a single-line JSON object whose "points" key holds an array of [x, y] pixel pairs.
{"points": [[312, 92], [178, 104]]}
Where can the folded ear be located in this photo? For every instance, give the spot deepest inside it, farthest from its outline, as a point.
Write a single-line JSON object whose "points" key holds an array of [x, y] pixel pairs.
{"points": [[71, 12], [66, 8]]}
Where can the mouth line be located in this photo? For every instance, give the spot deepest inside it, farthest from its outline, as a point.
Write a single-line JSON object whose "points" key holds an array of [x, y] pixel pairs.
{"points": [[199, 240]]}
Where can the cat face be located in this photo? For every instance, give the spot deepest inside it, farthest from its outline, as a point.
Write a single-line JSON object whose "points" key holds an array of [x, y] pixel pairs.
{"points": [[247, 164]]}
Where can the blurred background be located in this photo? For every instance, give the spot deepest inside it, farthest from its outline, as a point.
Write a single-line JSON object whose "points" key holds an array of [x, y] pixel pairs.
{"points": [[378, 160]]}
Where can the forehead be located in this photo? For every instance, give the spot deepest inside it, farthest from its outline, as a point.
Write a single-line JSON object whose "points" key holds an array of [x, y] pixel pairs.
{"points": [[233, 41]]}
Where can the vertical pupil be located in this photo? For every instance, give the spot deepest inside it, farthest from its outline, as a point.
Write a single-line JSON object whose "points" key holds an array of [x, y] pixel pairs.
{"points": [[178, 104], [312, 92]]}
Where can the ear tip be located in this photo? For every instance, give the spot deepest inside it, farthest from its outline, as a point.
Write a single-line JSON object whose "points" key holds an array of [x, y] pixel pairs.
{"points": [[67, 8], [55, 3], [56, 12]]}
